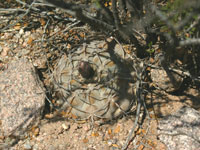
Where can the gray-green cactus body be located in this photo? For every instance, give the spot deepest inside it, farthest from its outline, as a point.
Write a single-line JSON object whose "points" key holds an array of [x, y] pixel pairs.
{"points": [[94, 82]]}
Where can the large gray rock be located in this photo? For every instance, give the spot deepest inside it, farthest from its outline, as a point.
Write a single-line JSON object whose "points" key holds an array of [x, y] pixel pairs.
{"points": [[22, 98], [181, 131]]}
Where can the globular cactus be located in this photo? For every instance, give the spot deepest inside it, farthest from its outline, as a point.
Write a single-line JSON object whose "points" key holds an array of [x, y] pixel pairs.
{"points": [[95, 81]]}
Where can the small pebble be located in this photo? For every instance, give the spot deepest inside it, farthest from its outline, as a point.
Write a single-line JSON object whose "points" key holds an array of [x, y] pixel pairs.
{"points": [[27, 146], [49, 55], [65, 127], [21, 31], [110, 143]]}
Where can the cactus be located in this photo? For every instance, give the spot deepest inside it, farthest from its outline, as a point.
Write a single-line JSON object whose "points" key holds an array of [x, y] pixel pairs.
{"points": [[95, 81]]}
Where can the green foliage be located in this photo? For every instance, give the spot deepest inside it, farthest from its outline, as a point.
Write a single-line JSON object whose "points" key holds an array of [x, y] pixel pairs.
{"points": [[176, 11], [97, 3], [150, 50]]}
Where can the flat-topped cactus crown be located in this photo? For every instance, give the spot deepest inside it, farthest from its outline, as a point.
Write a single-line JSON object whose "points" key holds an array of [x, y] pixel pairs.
{"points": [[95, 81]]}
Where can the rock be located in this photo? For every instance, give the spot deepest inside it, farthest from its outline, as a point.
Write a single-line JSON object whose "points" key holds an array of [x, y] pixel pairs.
{"points": [[181, 131], [5, 51], [22, 98], [27, 146], [169, 82]]}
